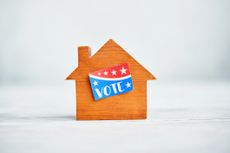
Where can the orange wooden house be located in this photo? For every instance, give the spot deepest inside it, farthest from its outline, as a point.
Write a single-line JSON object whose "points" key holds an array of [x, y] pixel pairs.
{"points": [[131, 105]]}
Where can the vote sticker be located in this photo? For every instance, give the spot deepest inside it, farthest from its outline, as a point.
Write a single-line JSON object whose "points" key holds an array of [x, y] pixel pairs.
{"points": [[111, 81]]}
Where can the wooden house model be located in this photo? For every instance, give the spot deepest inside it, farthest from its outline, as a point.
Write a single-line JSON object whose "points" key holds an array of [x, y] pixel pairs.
{"points": [[130, 105]]}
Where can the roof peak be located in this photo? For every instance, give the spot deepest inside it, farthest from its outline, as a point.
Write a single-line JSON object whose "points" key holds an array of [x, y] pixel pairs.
{"points": [[111, 42]]}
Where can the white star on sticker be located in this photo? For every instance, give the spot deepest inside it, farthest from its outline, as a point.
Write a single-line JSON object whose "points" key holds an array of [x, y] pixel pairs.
{"points": [[105, 73], [95, 83], [99, 73], [114, 72], [123, 70], [128, 85]]}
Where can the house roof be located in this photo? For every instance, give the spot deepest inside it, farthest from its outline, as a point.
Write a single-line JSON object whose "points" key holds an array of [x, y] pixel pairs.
{"points": [[108, 55]]}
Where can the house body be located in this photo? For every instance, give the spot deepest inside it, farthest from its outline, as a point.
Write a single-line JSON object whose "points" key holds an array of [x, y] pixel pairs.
{"points": [[131, 105]]}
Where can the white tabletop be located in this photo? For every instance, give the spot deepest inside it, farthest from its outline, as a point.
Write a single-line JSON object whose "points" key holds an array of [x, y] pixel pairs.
{"points": [[182, 117]]}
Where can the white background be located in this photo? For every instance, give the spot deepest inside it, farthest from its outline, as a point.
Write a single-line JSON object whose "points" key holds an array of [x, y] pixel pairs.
{"points": [[184, 43], [176, 40]]}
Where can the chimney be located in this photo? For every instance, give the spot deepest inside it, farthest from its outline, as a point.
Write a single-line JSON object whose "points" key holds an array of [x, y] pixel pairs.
{"points": [[84, 54]]}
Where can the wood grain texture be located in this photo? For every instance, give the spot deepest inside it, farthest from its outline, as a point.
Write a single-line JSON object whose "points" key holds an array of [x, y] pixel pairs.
{"points": [[130, 105]]}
